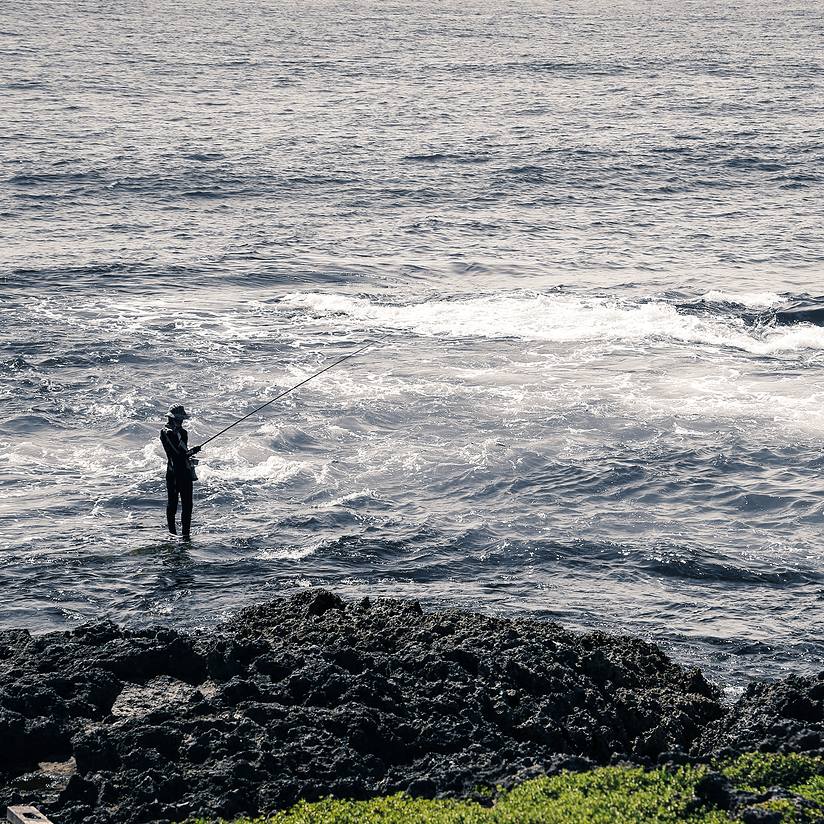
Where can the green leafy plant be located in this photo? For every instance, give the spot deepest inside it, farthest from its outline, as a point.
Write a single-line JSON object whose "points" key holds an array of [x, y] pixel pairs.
{"points": [[608, 795]]}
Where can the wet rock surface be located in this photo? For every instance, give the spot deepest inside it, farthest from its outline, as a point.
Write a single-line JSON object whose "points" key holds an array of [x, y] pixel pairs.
{"points": [[309, 696]]}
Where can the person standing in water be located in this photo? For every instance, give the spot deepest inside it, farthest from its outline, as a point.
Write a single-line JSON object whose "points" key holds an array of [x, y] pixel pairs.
{"points": [[180, 474]]}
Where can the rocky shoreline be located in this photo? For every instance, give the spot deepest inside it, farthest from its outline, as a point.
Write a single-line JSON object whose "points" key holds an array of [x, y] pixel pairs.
{"points": [[310, 696]]}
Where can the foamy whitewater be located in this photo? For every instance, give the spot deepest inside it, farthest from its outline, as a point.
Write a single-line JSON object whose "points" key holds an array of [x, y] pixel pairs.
{"points": [[585, 239]]}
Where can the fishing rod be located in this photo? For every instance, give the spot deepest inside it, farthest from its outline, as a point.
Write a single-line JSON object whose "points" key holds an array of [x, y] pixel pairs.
{"points": [[292, 389]]}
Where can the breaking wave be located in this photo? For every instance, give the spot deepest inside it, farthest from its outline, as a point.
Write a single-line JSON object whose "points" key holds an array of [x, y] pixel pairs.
{"points": [[750, 300], [562, 319]]}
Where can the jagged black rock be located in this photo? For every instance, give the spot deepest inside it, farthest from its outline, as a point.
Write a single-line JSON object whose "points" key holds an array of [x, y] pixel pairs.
{"points": [[309, 696]]}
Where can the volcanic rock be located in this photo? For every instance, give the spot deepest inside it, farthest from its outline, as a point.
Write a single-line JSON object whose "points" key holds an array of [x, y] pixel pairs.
{"points": [[309, 696], [782, 716]]}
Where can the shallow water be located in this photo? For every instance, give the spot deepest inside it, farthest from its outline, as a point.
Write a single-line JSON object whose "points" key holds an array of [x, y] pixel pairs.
{"points": [[587, 240]]}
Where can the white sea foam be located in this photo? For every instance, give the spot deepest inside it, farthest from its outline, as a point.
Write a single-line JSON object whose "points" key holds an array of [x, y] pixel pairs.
{"points": [[724, 398], [750, 300], [560, 319], [360, 497], [273, 470]]}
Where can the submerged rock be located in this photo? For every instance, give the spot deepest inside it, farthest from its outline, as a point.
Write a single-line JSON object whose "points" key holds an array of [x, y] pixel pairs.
{"points": [[309, 696]]}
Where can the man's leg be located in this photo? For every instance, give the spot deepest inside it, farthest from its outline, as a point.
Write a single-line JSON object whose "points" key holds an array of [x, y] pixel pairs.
{"points": [[186, 495], [171, 503]]}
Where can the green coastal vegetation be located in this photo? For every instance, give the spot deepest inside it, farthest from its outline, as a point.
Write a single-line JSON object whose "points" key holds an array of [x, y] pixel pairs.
{"points": [[791, 787]]}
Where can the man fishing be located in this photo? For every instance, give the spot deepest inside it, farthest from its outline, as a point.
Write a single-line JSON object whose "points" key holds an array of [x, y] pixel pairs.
{"points": [[180, 474]]}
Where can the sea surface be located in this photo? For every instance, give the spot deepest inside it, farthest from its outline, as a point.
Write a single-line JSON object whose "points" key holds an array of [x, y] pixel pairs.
{"points": [[586, 239]]}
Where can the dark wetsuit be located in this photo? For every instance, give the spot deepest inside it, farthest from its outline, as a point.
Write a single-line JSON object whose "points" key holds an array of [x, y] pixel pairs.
{"points": [[178, 477]]}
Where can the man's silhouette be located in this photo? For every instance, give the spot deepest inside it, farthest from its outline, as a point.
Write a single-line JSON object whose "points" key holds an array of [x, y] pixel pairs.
{"points": [[179, 469]]}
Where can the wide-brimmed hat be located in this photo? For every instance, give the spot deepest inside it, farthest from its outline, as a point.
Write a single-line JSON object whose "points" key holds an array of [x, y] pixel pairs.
{"points": [[177, 411]]}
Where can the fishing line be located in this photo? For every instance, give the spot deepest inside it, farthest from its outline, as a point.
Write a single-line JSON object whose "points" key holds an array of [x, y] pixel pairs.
{"points": [[293, 388]]}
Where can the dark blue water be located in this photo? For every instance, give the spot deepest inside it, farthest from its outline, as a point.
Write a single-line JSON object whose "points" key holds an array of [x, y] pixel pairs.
{"points": [[590, 234]]}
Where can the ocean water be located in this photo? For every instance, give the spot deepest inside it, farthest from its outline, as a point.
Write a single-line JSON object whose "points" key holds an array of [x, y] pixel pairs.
{"points": [[586, 238]]}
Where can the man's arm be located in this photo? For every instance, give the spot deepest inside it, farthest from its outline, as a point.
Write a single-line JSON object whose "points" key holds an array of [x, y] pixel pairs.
{"points": [[173, 450], [185, 439]]}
